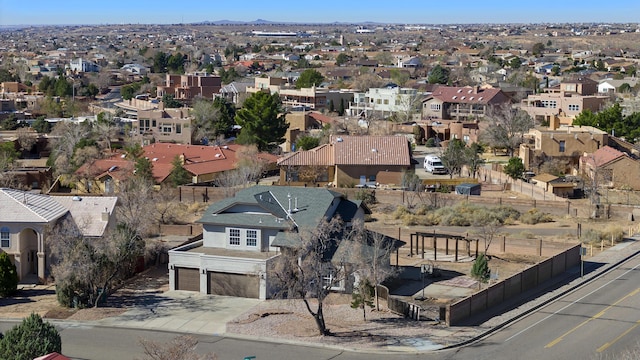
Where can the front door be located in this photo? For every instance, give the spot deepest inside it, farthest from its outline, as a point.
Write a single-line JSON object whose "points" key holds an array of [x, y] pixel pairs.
{"points": [[33, 261]]}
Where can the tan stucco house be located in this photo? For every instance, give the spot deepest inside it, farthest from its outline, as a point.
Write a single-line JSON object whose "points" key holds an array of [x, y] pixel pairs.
{"points": [[27, 219]]}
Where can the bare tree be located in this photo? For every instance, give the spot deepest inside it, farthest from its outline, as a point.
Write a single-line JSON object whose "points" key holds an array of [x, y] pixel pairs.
{"points": [[311, 173], [137, 208], [487, 228], [27, 137], [506, 127], [87, 269], [370, 257], [182, 347], [249, 168], [303, 272]]}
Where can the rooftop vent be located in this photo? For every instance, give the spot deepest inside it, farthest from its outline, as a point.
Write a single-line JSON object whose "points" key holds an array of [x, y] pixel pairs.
{"points": [[339, 139], [218, 155], [76, 198]]}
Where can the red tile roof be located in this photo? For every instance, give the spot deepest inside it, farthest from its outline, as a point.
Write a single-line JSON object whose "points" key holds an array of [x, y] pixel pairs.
{"points": [[198, 159], [53, 356], [371, 150], [115, 166], [354, 150], [603, 156], [321, 118], [465, 95]]}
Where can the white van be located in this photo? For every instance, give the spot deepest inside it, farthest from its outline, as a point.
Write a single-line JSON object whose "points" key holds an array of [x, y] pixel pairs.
{"points": [[433, 165]]}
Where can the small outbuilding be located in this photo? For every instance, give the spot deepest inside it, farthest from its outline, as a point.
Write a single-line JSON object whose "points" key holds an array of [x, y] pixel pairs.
{"points": [[468, 189]]}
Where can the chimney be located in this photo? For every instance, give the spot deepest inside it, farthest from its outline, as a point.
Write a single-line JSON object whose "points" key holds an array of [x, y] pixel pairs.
{"points": [[105, 215], [475, 89], [554, 122], [182, 158]]}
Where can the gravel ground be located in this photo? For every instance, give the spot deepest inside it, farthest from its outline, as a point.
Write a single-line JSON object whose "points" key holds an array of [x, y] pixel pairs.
{"points": [[290, 320]]}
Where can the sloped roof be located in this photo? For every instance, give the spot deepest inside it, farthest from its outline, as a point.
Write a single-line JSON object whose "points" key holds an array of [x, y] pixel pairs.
{"points": [[26, 207], [603, 156], [371, 150], [115, 166], [87, 212], [353, 150], [321, 156], [465, 95], [545, 178], [53, 356], [321, 118], [198, 159], [276, 206]]}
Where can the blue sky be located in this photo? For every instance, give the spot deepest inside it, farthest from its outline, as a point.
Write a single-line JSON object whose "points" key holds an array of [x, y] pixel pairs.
{"points": [[14, 12]]}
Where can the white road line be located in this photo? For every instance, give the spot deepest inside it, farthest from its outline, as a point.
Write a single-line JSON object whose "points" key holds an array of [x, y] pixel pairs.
{"points": [[570, 304]]}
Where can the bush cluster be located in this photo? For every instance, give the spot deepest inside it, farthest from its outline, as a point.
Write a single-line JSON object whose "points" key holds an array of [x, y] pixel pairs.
{"points": [[535, 216]]}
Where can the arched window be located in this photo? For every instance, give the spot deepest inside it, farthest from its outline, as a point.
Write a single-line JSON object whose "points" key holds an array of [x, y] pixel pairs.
{"points": [[5, 237]]}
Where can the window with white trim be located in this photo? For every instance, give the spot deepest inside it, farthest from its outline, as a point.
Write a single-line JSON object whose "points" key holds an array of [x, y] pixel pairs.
{"points": [[436, 107], [252, 238], [574, 107], [5, 237], [234, 237]]}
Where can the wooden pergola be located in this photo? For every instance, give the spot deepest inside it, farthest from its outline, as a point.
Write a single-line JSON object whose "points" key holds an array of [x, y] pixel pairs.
{"points": [[420, 240]]}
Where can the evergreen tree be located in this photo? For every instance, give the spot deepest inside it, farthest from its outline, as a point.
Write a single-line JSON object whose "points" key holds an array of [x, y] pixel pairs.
{"points": [[8, 276], [144, 168], [309, 78], [30, 339], [480, 269], [438, 75], [179, 175], [514, 168], [262, 121]]}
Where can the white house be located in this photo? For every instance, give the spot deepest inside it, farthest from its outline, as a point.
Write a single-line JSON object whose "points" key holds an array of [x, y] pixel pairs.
{"points": [[384, 102], [243, 236]]}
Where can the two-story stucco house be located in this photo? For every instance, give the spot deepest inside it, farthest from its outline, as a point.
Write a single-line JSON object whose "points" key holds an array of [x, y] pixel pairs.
{"points": [[243, 236], [26, 219]]}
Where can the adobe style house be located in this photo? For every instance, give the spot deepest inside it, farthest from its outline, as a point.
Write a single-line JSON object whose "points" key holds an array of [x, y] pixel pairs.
{"points": [[611, 168], [301, 123], [163, 125], [24, 229], [243, 236], [185, 88], [461, 103], [348, 161], [564, 101], [567, 143]]}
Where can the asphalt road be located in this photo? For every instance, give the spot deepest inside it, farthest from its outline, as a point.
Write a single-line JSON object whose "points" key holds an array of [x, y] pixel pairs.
{"points": [[599, 321]]}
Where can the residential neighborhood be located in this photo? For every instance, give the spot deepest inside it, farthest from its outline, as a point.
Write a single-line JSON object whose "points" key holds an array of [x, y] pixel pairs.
{"points": [[376, 187]]}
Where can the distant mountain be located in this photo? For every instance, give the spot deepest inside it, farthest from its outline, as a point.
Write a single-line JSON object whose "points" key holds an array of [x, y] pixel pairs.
{"points": [[268, 22], [236, 22]]}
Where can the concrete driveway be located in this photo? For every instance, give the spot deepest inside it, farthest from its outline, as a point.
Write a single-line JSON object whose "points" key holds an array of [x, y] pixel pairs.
{"points": [[182, 311]]}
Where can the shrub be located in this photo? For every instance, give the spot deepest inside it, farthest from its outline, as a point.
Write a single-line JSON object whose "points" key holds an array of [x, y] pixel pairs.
{"points": [[535, 216], [399, 212], [8, 276], [612, 231], [366, 196]]}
